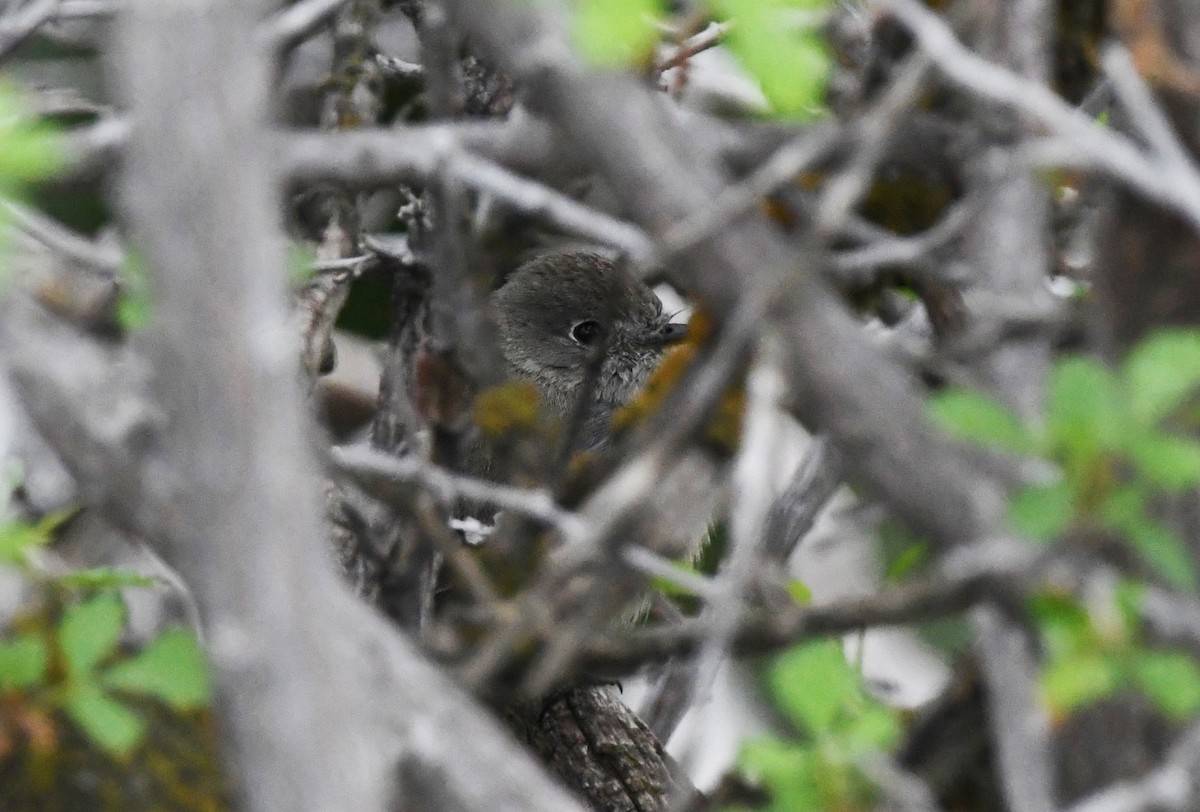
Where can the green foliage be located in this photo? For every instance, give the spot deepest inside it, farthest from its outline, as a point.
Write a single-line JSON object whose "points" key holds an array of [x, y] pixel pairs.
{"points": [[171, 668], [301, 264], [108, 722], [100, 578], [72, 662], [799, 592], [89, 631], [1091, 655], [788, 57], [134, 307], [973, 416], [18, 539], [838, 726], [30, 150], [23, 662], [778, 42], [1109, 432], [1162, 372], [613, 33], [1042, 512]]}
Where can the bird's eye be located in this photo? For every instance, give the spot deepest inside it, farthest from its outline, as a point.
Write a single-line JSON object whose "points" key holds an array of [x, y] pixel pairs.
{"points": [[586, 332]]}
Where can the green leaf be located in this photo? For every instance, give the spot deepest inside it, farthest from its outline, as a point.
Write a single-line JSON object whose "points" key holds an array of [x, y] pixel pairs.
{"points": [[172, 668], [617, 33], [23, 662], [89, 631], [1164, 552], [1070, 682], [100, 578], [301, 262], [1042, 512], [971, 415], [800, 592], [29, 149], [789, 772], [1161, 372], [791, 66], [16, 540], [1065, 625], [1170, 462], [812, 683], [1128, 596], [1084, 408], [1171, 680], [876, 728], [1123, 507], [134, 309], [907, 561], [108, 722]]}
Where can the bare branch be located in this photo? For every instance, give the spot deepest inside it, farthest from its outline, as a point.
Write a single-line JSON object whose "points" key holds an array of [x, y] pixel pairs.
{"points": [[1090, 144], [104, 257], [21, 24], [1171, 786], [379, 473], [420, 154], [297, 22]]}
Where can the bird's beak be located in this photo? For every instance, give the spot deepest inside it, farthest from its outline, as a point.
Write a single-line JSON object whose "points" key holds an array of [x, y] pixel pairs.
{"points": [[668, 334]]}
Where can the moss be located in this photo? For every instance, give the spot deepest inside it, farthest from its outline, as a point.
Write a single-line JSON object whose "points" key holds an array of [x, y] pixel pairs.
{"points": [[507, 409], [723, 431]]}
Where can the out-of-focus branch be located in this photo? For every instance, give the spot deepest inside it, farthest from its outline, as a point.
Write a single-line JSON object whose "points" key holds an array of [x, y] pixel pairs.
{"points": [[786, 625], [103, 257], [380, 473], [1083, 142], [21, 24], [318, 696], [420, 154], [297, 22], [795, 511], [867, 404], [1172, 786]]}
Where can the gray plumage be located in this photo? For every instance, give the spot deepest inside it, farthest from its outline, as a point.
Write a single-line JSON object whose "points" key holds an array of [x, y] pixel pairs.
{"points": [[558, 310]]}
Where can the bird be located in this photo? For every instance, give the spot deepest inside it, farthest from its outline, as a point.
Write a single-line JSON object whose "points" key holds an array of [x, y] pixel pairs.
{"points": [[577, 325]]}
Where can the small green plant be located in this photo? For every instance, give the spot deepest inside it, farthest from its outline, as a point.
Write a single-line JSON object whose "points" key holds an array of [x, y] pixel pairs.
{"points": [[778, 42], [66, 656], [838, 727], [30, 150], [1115, 436], [1091, 655], [134, 307]]}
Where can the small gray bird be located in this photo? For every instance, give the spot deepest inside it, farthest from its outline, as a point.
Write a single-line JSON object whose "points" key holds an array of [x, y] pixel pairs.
{"points": [[562, 313]]}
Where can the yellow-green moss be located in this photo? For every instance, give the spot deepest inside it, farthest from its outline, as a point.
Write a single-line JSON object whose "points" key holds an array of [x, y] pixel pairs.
{"points": [[724, 427], [507, 408]]}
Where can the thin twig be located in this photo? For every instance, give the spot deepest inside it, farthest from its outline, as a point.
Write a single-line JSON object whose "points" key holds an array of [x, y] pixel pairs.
{"points": [[104, 257], [1086, 143], [1172, 786], [20, 25], [422, 154], [651, 563], [871, 132], [710, 37], [297, 22], [735, 201], [782, 626], [1144, 112], [797, 508], [378, 473], [919, 251]]}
